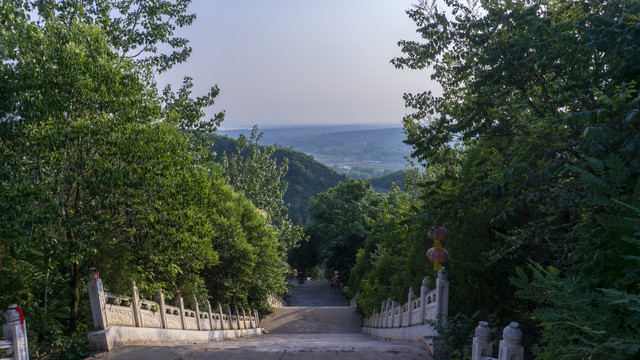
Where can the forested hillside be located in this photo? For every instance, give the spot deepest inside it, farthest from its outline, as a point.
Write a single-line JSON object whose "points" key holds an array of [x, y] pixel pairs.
{"points": [[384, 183], [306, 177], [358, 151]]}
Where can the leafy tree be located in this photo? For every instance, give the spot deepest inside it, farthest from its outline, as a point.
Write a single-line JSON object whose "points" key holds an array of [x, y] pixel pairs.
{"points": [[342, 218], [538, 97], [87, 167], [135, 28], [393, 256], [253, 171]]}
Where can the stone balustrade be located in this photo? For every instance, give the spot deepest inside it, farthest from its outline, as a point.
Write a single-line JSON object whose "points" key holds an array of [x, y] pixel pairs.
{"points": [[418, 310], [112, 310], [510, 348], [412, 321], [14, 330]]}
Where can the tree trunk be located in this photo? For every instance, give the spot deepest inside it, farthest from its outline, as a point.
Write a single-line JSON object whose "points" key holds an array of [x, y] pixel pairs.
{"points": [[74, 283]]}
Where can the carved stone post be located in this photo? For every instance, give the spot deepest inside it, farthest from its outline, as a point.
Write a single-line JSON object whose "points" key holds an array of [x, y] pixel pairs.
{"points": [[385, 322], [244, 317], [97, 300], [135, 301], [482, 342], [196, 307], [409, 308], [180, 305], [212, 324], [424, 289], [221, 316], [257, 318], [510, 348], [163, 309], [382, 311], [237, 317], [230, 317], [442, 295], [15, 330]]}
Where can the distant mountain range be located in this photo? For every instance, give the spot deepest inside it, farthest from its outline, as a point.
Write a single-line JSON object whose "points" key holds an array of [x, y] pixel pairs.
{"points": [[358, 151], [307, 177]]}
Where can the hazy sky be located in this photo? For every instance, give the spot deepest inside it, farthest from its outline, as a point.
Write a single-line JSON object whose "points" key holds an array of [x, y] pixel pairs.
{"points": [[301, 61]]}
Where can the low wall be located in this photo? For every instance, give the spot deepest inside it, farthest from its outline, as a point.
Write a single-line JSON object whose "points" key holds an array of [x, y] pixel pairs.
{"points": [[411, 321], [122, 319], [107, 339]]}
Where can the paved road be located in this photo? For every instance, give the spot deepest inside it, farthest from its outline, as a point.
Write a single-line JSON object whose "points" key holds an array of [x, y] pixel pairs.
{"points": [[319, 326]]}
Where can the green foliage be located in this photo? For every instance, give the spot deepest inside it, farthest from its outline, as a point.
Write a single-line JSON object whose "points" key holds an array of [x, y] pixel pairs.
{"points": [[528, 153], [392, 259], [98, 169], [305, 176], [252, 171], [342, 218]]}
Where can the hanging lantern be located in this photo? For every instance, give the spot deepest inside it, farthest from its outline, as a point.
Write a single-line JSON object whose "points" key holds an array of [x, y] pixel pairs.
{"points": [[437, 253]]}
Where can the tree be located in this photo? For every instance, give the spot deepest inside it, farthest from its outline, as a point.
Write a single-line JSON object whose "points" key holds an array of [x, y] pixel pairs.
{"points": [[87, 167], [528, 111], [253, 171], [341, 221]]}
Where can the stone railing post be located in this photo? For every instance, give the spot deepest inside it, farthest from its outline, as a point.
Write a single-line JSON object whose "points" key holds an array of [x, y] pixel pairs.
{"points": [[221, 316], [212, 323], [442, 296], [389, 313], [482, 342], [180, 305], [257, 318], [97, 300], [196, 308], [230, 317], [163, 309], [15, 330], [382, 308], [244, 317], [424, 289], [252, 320], [510, 348], [409, 309], [237, 317], [135, 300]]}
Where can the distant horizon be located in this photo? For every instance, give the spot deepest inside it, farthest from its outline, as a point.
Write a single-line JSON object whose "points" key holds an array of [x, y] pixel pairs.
{"points": [[294, 126]]}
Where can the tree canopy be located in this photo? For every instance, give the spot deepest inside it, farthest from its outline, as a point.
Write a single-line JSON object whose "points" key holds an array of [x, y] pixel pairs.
{"points": [[532, 156], [97, 168]]}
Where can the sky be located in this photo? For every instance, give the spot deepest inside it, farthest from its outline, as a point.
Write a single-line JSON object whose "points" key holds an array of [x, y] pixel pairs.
{"points": [[301, 62]]}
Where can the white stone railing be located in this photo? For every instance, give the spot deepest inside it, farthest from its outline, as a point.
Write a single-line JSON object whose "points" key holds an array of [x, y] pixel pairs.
{"points": [[275, 301], [412, 321], [14, 329], [430, 305], [113, 310], [510, 348]]}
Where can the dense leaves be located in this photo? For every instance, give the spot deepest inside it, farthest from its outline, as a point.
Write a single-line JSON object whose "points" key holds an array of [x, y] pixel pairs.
{"points": [[530, 153], [98, 169]]}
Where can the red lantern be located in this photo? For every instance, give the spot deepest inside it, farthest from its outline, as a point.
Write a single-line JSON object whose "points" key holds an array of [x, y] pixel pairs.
{"points": [[439, 233], [437, 253]]}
